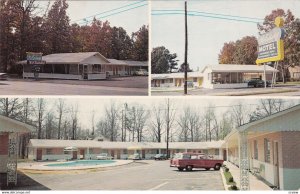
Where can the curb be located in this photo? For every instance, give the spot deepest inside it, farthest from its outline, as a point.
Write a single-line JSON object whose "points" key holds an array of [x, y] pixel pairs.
{"points": [[224, 180]]}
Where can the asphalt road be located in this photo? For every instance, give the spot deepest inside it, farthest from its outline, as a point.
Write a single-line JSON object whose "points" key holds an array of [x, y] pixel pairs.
{"points": [[152, 175], [277, 91], [71, 87]]}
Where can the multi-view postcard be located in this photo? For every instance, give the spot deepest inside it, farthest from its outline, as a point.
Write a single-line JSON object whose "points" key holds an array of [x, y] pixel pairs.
{"points": [[149, 96]]}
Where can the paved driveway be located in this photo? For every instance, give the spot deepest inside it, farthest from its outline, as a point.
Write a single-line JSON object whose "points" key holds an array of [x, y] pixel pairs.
{"points": [[130, 86], [154, 175]]}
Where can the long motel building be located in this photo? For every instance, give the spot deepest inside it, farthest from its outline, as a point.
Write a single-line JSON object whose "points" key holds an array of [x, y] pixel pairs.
{"points": [[81, 66], [215, 76], [45, 149]]}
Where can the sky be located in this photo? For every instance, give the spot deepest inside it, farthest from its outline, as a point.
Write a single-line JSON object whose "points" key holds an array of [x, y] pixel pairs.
{"points": [[130, 20], [207, 35], [86, 105]]}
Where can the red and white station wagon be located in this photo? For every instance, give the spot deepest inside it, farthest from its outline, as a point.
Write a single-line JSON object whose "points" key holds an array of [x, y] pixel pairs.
{"points": [[189, 161]]}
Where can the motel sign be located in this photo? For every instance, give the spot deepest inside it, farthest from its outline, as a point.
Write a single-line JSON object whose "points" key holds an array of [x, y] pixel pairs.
{"points": [[270, 44]]}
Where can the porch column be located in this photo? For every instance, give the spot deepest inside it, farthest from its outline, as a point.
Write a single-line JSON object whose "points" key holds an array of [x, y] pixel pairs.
{"points": [[12, 159], [243, 162], [227, 152]]}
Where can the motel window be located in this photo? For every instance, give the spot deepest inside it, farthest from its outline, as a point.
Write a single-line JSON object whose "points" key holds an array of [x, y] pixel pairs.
{"points": [[48, 151], [216, 152], [91, 151], [171, 80], [255, 150], [195, 79], [124, 151], [205, 151], [162, 81], [267, 149]]}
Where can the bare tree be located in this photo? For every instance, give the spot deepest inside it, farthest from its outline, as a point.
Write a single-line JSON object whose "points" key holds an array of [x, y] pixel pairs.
{"points": [[61, 109], [49, 125], [74, 121], [169, 121], [39, 112], [10, 107], [239, 114], [156, 124]]}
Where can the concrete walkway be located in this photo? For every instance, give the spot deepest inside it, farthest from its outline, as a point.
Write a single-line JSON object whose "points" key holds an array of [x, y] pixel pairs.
{"points": [[255, 183]]}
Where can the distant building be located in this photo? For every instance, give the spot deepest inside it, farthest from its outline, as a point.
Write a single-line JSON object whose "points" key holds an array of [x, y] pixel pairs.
{"points": [[45, 149], [80, 66], [215, 76]]}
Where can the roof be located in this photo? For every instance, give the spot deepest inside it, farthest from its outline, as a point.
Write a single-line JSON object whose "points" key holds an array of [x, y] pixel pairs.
{"points": [[69, 58], [136, 63], [238, 68], [176, 75], [11, 125], [285, 120], [116, 62], [50, 143]]}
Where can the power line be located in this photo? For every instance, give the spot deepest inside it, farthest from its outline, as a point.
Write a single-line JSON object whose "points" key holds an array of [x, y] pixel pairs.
{"points": [[209, 13], [116, 13], [200, 15], [109, 11]]}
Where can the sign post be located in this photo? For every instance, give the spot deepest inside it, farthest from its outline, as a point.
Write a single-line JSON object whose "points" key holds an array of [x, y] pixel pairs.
{"points": [[36, 60], [270, 46]]}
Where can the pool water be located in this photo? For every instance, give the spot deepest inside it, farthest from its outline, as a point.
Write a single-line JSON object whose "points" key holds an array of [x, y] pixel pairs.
{"points": [[82, 163]]}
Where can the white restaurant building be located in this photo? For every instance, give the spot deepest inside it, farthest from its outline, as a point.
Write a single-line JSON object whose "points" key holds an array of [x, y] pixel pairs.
{"points": [[80, 66], [215, 76]]}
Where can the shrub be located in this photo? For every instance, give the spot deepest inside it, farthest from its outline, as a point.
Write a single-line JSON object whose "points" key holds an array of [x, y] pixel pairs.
{"points": [[226, 169], [230, 179], [233, 187]]}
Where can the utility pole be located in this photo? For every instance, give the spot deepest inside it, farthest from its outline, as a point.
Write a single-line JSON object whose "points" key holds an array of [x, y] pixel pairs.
{"points": [[185, 50], [168, 125]]}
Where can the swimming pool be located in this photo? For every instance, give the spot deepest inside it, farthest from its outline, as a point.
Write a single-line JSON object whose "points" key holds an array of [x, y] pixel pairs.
{"points": [[82, 163]]}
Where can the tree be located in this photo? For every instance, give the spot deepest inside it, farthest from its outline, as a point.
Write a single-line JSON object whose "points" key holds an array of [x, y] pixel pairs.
{"points": [[58, 28], [226, 55], [10, 107], [39, 113], [74, 121], [157, 123], [121, 44], [60, 108], [239, 114], [162, 61], [169, 121], [181, 69], [140, 44]]}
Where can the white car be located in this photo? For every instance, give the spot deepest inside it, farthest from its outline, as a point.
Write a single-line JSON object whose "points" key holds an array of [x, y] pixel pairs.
{"points": [[3, 76], [141, 72], [104, 156], [135, 156]]}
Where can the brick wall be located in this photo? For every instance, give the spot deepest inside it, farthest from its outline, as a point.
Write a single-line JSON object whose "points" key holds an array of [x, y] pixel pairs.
{"points": [[4, 143], [291, 149]]}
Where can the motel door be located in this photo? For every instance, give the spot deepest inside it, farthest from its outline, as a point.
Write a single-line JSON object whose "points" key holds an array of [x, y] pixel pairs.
{"points": [[39, 154], [118, 154], [74, 155], [82, 153], [224, 155], [112, 153], [143, 154], [276, 165]]}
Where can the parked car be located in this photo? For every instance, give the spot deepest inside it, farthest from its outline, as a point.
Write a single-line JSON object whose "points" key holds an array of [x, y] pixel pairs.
{"points": [[135, 156], [141, 72], [258, 83], [3, 76], [160, 157], [104, 156], [188, 161]]}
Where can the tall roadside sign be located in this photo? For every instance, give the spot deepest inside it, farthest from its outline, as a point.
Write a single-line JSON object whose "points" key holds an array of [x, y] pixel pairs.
{"points": [[35, 59], [270, 46]]}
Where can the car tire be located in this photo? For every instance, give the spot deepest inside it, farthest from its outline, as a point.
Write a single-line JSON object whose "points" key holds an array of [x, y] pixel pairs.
{"points": [[217, 167], [180, 168], [207, 168], [189, 168]]}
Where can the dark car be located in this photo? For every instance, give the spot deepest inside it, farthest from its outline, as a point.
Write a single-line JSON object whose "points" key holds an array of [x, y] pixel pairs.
{"points": [[160, 157], [3, 76], [258, 83]]}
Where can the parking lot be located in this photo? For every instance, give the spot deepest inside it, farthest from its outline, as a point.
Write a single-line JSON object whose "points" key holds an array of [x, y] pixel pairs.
{"points": [[292, 90], [129, 86], [141, 175]]}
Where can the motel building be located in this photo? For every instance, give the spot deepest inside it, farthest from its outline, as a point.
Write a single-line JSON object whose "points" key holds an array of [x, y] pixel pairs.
{"points": [[216, 76], [268, 148], [10, 131], [45, 149], [80, 66], [195, 79]]}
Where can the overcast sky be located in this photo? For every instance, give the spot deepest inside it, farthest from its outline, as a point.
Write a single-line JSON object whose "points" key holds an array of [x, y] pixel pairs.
{"points": [[86, 105], [207, 35], [130, 20]]}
